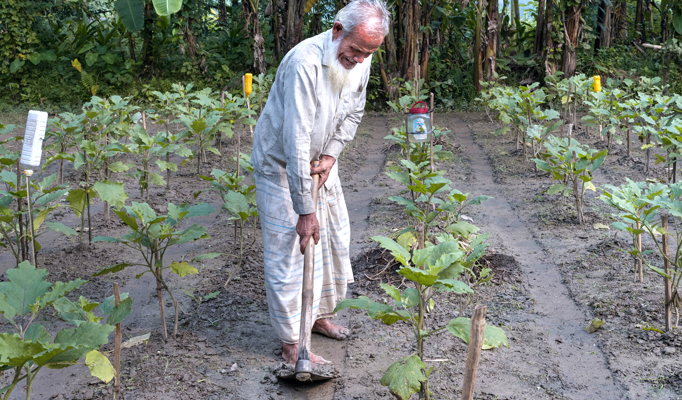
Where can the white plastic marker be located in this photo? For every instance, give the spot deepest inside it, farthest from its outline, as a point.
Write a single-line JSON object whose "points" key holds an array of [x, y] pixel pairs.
{"points": [[31, 153], [32, 150]]}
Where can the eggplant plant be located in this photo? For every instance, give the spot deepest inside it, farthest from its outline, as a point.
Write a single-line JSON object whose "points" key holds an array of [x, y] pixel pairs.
{"points": [[633, 201], [239, 200], [15, 228], [62, 136], [566, 160], [24, 297], [435, 269], [150, 236]]}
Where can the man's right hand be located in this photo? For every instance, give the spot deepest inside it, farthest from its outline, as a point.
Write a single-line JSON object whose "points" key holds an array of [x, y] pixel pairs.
{"points": [[306, 227]]}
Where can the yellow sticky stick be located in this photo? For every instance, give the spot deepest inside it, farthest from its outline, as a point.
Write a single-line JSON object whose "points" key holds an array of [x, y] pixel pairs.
{"points": [[248, 84], [597, 83]]}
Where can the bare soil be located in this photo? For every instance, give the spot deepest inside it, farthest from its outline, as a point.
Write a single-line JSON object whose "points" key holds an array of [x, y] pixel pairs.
{"points": [[552, 276]]}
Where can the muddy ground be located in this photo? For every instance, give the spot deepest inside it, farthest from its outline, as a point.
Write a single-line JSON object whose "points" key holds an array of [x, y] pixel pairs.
{"points": [[552, 277]]}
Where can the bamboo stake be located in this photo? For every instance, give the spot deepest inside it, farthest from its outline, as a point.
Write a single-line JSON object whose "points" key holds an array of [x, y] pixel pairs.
{"points": [[476, 329], [159, 291], [432, 129], [22, 240], [117, 348], [666, 264], [627, 121], [568, 101], [639, 273]]}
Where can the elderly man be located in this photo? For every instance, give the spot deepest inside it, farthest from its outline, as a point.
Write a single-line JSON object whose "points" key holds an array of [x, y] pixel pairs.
{"points": [[313, 110]]}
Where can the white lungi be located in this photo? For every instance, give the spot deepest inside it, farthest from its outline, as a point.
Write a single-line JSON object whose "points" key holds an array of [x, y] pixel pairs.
{"points": [[284, 262]]}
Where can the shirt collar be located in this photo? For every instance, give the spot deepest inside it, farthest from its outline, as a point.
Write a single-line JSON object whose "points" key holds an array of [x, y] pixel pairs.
{"points": [[327, 43]]}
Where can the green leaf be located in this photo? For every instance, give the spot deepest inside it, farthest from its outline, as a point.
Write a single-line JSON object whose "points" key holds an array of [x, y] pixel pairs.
{"points": [[455, 286], [107, 305], [25, 284], [77, 200], [404, 377], [391, 291], [16, 64], [375, 310], [167, 7], [156, 179], [182, 269], [100, 366], [112, 269], [236, 204], [37, 334], [112, 192], [120, 311], [131, 12], [554, 189], [59, 227], [492, 335], [91, 58], [17, 352], [127, 219], [398, 251], [418, 275], [677, 21]]}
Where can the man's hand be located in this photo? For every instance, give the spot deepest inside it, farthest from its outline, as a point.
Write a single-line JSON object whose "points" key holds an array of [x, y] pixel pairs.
{"points": [[326, 164], [306, 227]]}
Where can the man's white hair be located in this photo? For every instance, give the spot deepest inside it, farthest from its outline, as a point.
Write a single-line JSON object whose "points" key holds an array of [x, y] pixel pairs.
{"points": [[372, 14]]}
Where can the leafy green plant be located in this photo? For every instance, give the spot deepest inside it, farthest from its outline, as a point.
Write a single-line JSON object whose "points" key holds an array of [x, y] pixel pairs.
{"points": [[239, 200], [633, 201], [150, 236], [568, 161], [434, 269], [15, 230], [23, 298]]}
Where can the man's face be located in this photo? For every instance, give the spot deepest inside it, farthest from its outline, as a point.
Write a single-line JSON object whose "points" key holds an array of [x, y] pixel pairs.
{"points": [[356, 46]]}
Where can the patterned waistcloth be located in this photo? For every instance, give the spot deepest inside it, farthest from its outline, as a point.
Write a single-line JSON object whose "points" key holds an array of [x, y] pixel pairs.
{"points": [[284, 261]]}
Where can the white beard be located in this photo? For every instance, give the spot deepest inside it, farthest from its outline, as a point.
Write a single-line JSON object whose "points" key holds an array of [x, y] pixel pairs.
{"points": [[340, 78]]}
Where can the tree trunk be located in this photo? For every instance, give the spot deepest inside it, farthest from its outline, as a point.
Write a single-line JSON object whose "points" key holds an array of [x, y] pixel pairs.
{"points": [[493, 30], [572, 28], [639, 20], [516, 13], [316, 27], [607, 26], [426, 40], [601, 19], [222, 12], [622, 22], [190, 39], [276, 28], [253, 24], [540, 28], [664, 24], [549, 51], [131, 47], [410, 33], [147, 34], [295, 9], [477, 48]]}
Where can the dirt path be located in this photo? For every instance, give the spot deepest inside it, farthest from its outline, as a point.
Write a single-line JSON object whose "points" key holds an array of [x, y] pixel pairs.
{"points": [[580, 362]]}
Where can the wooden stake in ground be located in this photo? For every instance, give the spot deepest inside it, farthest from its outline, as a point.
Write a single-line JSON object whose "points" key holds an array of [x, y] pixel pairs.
{"points": [[627, 122], [668, 286], [433, 127], [639, 271], [159, 291], [568, 102], [476, 329], [117, 348]]}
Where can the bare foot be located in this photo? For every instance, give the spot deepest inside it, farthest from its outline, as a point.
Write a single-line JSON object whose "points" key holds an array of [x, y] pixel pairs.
{"points": [[290, 355], [325, 327]]}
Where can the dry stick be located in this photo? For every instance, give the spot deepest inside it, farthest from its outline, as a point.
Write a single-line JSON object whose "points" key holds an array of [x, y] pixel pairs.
{"points": [[666, 264], [648, 153], [432, 129], [476, 328], [146, 154], [610, 135], [117, 348], [532, 141], [220, 134], [107, 212], [568, 101], [627, 121], [22, 239], [639, 273], [159, 291]]}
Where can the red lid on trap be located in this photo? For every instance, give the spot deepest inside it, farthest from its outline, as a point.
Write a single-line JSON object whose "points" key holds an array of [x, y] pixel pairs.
{"points": [[419, 110]]}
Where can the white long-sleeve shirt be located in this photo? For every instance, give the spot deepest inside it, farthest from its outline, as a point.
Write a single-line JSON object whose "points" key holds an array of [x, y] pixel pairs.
{"points": [[305, 118]]}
